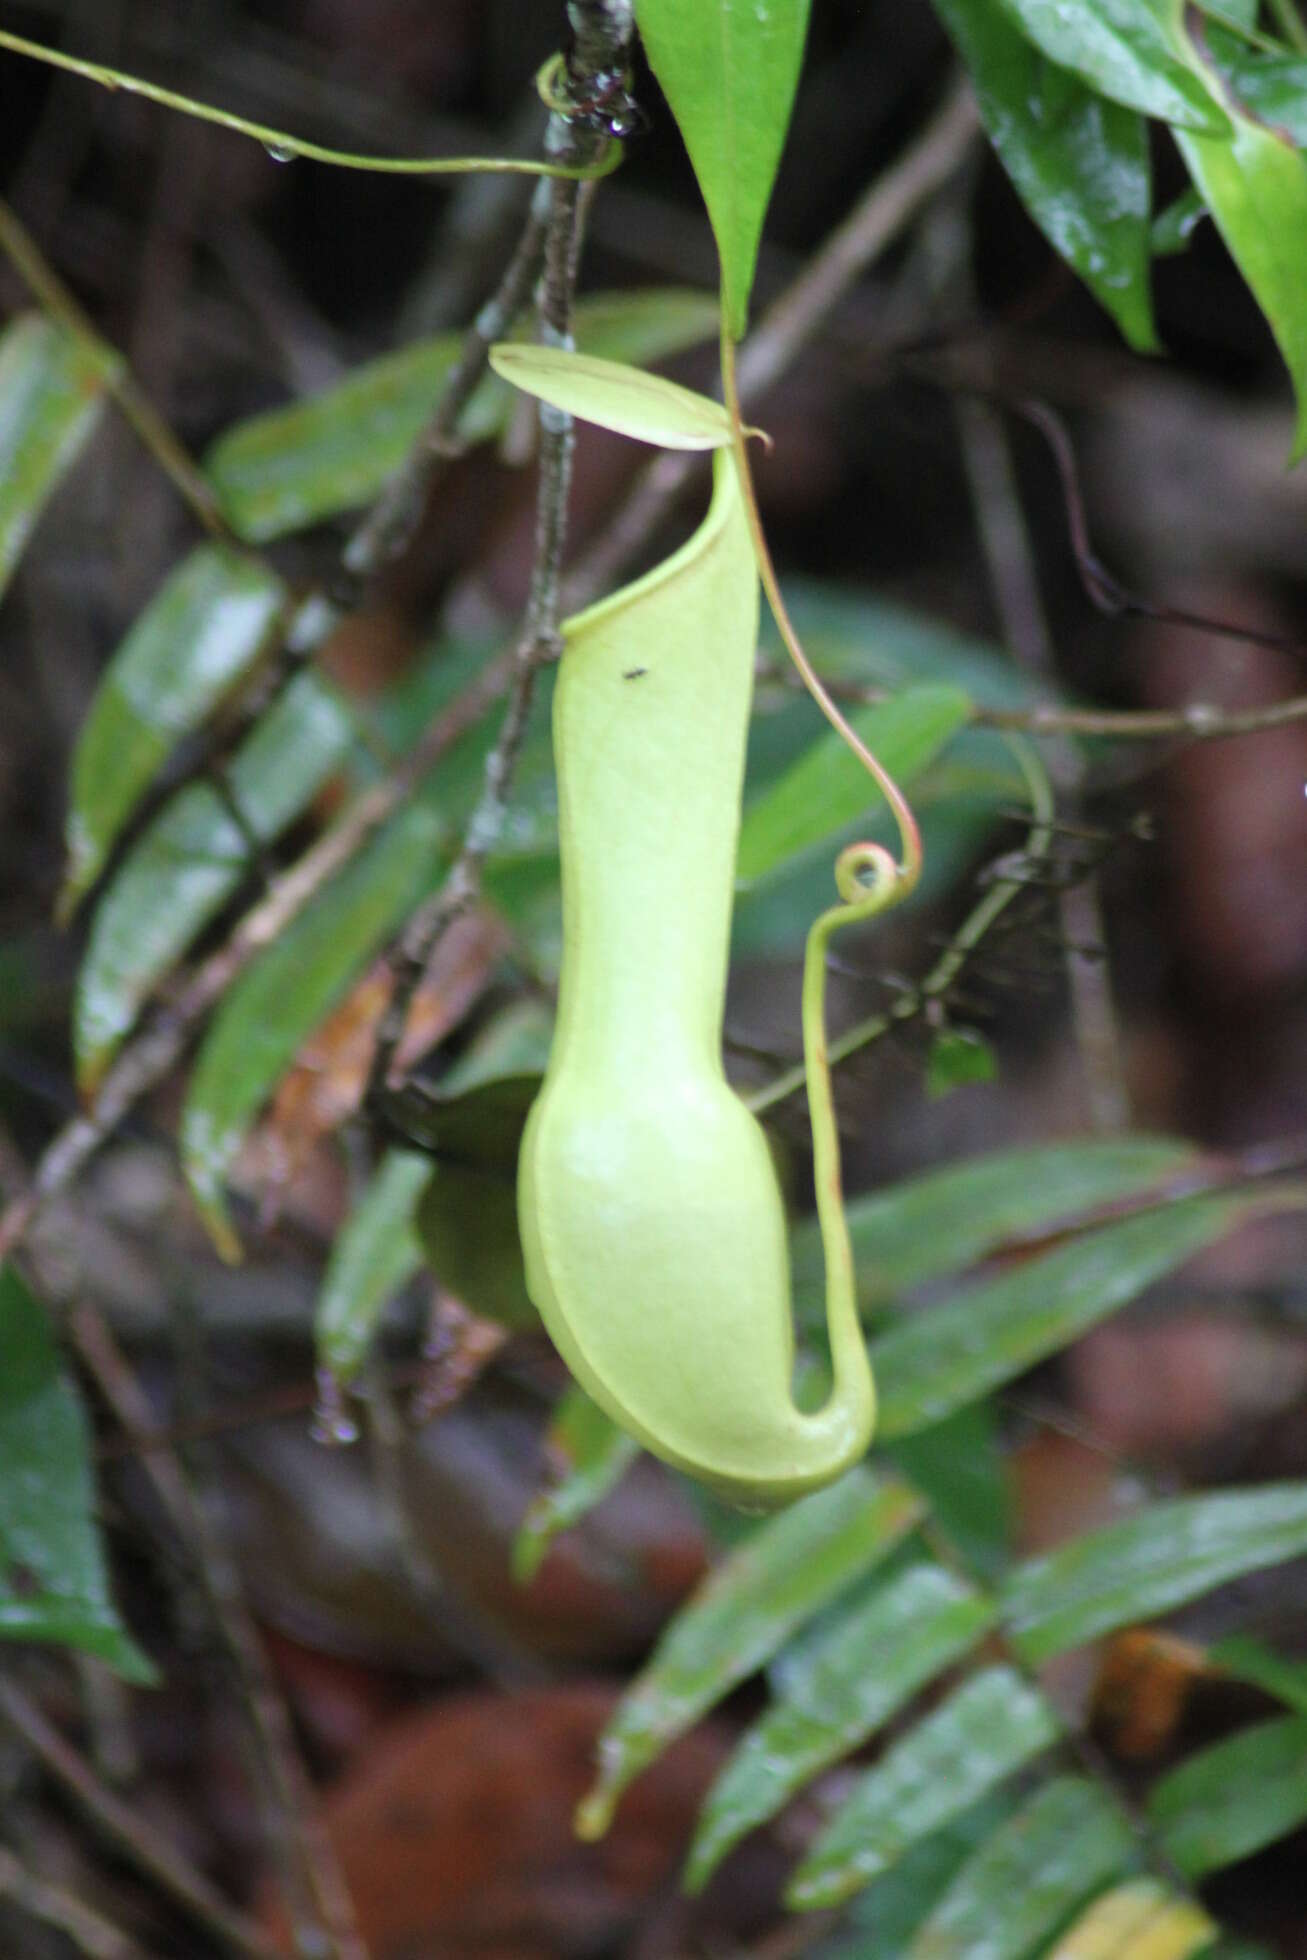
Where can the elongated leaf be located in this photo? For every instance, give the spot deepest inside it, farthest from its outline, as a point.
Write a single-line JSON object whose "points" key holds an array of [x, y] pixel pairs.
{"points": [[52, 1579], [375, 1254], [1248, 1659], [593, 1455], [936, 1361], [200, 633], [828, 788], [296, 466], [1037, 1868], [280, 1000], [1272, 87], [945, 1220], [1231, 1799], [1146, 1565], [980, 1736], [960, 1468], [615, 395], [729, 70], [190, 860], [51, 395], [883, 1919], [1255, 187], [788, 1570], [1129, 50], [1141, 1920], [1079, 162], [868, 1666]]}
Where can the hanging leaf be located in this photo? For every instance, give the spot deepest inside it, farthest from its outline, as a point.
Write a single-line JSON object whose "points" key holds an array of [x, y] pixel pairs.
{"points": [[1079, 162], [587, 1455], [1234, 1798], [1148, 1564], [945, 1763], [51, 395], [729, 70], [1032, 1874], [195, 640], [52, 1578], [1129, 50], [1141, 1920], [839, 1692], [375, 1254], [883, 1919], [788, 1570], [185, 866], [624, 399]]}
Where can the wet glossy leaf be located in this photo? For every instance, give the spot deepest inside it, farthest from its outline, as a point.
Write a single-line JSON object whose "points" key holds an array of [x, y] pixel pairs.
{"points": [[1233, 1798], [946, 1762], [827, 787], [787, 1570], [1128, 50], [1037, 1868], [938, 1360], [191, 859], [375, 1254], [197, 637], [1141, 1920], [296, 466], [729, 70], [841, 1690], [1272, 87], [624, 399], [1079, 162], [1146, 1565], [53, 1585], [587, 1455], [882, 1919], [51, 395]]}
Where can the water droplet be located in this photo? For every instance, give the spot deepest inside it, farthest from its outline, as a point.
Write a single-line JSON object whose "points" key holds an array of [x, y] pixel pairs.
{"points": [[281, 152]]}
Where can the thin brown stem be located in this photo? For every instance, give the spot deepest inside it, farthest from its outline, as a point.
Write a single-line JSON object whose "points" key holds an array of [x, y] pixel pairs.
{"points": [[94, 1936]]}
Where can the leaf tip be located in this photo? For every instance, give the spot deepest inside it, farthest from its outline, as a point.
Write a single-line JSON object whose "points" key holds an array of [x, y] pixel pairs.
{"points": [[594, 1813]]}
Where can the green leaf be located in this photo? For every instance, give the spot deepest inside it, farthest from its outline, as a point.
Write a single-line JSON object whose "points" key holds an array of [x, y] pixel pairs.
{"points": [[958, 1057], [1234, 1798], [1079, 162], [51, 395], [593, 1455], [943, 1221], [333, 453], [839, 1692], [1131, 51], [1148, 1564], [615, 395], [188, 862], [729, 70], [882, 1920], [1250, 1660], [1174, 227], [787, 1571], [1271, 87], [1026, 1882], [828, 787], [960, 1467], [1255, 186], [278, 1002], [52, 1578], [375, 1254], [195, 640], [945, 1763], [939, 1360]]}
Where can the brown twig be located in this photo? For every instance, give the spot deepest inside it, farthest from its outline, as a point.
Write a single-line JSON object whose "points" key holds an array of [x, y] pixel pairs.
{"points": [[52, 1905]]}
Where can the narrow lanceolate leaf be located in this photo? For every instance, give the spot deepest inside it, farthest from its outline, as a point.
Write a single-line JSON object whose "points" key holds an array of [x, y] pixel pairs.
{"points": [[51, 394], [828, 789], [1147, 1565], [617, 396], [729, 70], [191, 859], [52, 1579], [945, 1763], [1140, 1920], [1255, 186], [588, 1455], [788, 1570], [280, 1000], [1248, 1659], [1233, 1798], [375, 1254], [883, 1919], [1079, 162], [190, 646], [297, 466], [838, 1693], [945, 1220], [1058, 1850], [938, 1360], [1128, 50]]}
